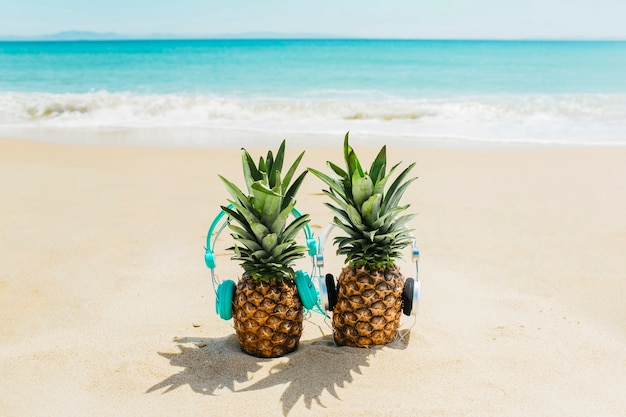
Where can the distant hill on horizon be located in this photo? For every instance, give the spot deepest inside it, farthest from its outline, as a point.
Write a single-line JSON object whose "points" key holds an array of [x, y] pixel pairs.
{"points": [[97, 36]]}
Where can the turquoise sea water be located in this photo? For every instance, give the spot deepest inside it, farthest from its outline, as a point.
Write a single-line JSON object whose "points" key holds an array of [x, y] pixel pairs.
{"points": [[495, 91]]}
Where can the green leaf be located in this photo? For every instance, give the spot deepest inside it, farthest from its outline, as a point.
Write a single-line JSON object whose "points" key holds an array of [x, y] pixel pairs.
{"points": [[243, 221], [335, 185], [337, 170], [274, 181], [262, 188], [286, 256], [280, 157], [355, 217], [272, 207], [294, 227], [258, 191], [269, 242], [362, 188], [240, 232], [291, 192], [292, 170], [394, 198], [280, 249], [388, 217], [371, 209], [354, 166], [342, 214], [260, 231], [269, 168], [331, 194], [271, 210], [395, 184], [353, 233], [401, 221], [277, 188], [234, 191], [352, 162], [251, 216], [278, 225], [380, 182], [250, 244], [260, 255], [377, 170], [250, 171]]}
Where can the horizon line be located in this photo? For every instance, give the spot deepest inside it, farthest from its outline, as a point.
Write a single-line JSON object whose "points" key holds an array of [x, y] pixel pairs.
{"points": [[113, 36], [297, 38]]}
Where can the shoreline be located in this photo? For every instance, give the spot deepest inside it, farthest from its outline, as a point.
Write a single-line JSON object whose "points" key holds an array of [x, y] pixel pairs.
{"points": [[198, 138], [107, 307]]}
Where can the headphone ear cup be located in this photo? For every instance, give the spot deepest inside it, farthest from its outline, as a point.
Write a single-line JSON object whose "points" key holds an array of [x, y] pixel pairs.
{"points": [[307, 291], [332, 291], [416, 297], [224, 299], [407, 296]]}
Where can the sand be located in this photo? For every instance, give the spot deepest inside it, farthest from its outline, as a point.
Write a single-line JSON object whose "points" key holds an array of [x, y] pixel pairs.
{"points": [[106, 307]]}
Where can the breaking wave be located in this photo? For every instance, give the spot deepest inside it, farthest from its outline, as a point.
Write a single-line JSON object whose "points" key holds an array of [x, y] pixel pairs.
{"points": [[576, 118]]}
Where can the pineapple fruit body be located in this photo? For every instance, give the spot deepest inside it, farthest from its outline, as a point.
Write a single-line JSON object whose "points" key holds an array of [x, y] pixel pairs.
{"points": [[369, 306], [268, 317]]}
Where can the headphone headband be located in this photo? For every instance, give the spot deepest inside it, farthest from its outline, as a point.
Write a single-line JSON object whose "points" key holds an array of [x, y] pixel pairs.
{"points": [[209, 255]]}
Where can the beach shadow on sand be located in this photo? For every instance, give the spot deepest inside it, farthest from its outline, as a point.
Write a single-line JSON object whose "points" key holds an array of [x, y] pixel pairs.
{"points": [[207, 365], [317, 366]]}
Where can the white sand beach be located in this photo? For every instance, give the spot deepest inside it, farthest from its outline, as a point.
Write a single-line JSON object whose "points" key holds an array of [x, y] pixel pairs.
{"points": [[107, 308]]}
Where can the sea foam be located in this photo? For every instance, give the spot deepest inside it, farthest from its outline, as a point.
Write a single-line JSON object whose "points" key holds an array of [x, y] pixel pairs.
{"points": [[523, 118]]}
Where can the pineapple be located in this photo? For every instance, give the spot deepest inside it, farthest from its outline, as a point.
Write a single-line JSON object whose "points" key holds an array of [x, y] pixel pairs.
{"points": [[374, 231], [267, 309]]}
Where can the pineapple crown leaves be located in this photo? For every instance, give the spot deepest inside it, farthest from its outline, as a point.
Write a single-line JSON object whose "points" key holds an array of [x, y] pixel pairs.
{"points": [[265, 243], [366, 208]]}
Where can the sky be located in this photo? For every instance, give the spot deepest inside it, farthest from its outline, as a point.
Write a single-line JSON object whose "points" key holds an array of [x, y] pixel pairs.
{"points": [[423, 19]]}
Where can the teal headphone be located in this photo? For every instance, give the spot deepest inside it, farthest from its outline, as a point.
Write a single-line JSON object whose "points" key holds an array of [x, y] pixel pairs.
{"points": [[225, 291], [328, 288]]}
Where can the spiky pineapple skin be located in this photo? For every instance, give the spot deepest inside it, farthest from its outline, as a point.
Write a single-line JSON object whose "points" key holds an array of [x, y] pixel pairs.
{"points": [[369, 306], [267, 317]]}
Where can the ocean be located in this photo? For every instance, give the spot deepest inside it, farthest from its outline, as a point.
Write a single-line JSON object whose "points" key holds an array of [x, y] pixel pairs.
{"points": [[242, 92]]}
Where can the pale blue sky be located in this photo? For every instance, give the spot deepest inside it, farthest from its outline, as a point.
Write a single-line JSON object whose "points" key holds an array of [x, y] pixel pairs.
{"points": [[359, 18]]}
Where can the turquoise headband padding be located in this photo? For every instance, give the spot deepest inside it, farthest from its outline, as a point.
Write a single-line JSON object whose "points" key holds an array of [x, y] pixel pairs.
{"points": [[209, 257]]}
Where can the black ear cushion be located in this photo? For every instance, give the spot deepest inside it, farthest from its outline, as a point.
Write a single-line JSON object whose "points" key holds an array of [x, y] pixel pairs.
{"points": [[407, 296], [332, 291]]}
